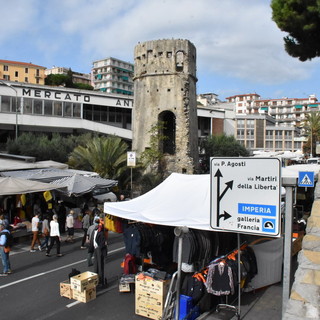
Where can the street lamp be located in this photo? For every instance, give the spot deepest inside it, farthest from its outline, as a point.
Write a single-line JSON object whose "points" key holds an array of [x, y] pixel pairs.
{"points": [[16, 92]]}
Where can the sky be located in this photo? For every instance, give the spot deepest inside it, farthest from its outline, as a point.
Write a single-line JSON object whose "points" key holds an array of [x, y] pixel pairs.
{"points": [[239, 48]]}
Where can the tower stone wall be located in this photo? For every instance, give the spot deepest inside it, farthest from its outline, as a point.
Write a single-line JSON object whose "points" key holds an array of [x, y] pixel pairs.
{"points": [[165, 90]]}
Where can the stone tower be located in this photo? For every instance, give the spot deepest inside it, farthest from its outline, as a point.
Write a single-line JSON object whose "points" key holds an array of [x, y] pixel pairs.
{"points": [[165, 90]]}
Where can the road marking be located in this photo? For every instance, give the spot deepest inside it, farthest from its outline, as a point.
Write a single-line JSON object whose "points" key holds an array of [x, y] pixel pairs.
{"points": [[70, 305], [53, 270]]}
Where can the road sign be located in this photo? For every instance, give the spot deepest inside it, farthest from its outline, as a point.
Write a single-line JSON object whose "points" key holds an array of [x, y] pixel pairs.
{"points": [[245, 195], [306, 179], [131, 159]]}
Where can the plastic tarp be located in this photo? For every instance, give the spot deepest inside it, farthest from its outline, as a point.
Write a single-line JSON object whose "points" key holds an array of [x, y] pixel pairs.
{"points": [[12, 164], [10, 186], [77, 184], [45, 175]]}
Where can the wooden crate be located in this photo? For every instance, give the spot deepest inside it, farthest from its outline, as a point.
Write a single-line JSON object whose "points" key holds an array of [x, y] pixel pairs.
{"points": [[150, 297], [84, 281], [86, 295], [65, 289]]}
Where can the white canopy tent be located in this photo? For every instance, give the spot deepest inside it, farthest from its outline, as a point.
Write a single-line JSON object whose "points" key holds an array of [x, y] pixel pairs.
{"points": [[181, 200]]}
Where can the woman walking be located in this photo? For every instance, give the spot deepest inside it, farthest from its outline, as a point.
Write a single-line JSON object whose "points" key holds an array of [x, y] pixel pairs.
{"points": [[54, 236]]}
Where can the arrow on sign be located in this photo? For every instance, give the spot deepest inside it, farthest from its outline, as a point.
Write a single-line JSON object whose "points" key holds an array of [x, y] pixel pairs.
{"points": [[229, 185]]}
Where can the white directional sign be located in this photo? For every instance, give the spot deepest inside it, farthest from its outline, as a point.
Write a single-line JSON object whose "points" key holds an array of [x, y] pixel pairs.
{"points": [[245, 195], [131, 159]]}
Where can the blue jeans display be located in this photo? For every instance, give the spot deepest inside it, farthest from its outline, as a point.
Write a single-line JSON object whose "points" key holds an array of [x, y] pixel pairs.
{"points": [[5, 260]]}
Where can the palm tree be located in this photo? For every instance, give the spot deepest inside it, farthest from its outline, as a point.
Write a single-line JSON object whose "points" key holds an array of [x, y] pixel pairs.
{"points": [[311, 126], [104, 155]]}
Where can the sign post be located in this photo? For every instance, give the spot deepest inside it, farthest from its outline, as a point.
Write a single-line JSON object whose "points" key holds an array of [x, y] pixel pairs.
{"points": [[246, 195], [131, 162]]}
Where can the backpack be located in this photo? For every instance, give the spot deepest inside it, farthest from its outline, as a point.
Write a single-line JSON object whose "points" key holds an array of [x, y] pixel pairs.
{"points": [[9, 239]]}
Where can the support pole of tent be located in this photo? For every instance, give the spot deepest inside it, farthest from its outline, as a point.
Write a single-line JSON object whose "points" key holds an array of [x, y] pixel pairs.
{"points": [[179, 232], [238, 313], [289, 184]]}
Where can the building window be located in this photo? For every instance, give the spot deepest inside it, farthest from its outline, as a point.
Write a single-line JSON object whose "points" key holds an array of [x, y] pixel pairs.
{"points": [[16, 74], [48, 107], [26, 79], [6, 77], [26, 70], [67, 109], [27, 106], [5, 104], [37, 106], [5, 68], [76, 110], [57, 108], [240, 123]]}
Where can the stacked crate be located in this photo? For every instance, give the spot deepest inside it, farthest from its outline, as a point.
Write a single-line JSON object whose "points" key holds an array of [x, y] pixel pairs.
{"points": [[150, 297], [82, 287]]}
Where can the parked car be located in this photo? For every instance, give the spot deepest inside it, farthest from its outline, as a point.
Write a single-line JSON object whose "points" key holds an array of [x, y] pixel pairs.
{"points": [[103, 195], [313, 161]]}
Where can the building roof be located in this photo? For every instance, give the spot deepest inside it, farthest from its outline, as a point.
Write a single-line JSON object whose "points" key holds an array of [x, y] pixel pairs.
{"points": [[244, 95], [26, 64]]}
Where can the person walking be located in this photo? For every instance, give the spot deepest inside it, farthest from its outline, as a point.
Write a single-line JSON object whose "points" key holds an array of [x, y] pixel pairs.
{"points": [[54, 236], [4, 251], [46, 232], [90, 232], [85, 226], [35, 232], [98, 242], [70, 226]]}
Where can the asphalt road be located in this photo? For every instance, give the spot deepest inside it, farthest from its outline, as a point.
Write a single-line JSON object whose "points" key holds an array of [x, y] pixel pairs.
{"points": [[33, 290]]}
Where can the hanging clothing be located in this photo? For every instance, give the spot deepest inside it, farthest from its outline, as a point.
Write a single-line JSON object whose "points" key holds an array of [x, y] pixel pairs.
{"points": [[220, 279]]}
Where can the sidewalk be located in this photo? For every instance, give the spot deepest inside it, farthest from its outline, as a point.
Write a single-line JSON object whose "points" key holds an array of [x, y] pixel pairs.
{"points": [[264, 304]]}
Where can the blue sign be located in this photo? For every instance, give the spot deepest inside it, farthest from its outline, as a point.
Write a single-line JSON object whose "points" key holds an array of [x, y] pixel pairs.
{"points": [[257, 209], [306, 179], [269, 225]]}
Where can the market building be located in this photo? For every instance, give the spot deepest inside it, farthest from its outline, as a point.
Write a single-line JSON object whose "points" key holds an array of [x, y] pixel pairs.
{"points": [[26, 107]]}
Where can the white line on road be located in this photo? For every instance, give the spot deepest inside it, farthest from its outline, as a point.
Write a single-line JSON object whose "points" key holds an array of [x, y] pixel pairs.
{"points": [[70, 305], [53, 270]]}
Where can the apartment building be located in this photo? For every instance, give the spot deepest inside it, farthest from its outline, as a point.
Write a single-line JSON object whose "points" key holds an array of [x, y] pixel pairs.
{"points": [[112, 75], [21, 72], [77, 77], [260, 132], [286, 111]]}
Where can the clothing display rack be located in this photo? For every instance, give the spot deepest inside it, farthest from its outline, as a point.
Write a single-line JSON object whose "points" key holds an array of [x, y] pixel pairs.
{"points": [[227, 306]]}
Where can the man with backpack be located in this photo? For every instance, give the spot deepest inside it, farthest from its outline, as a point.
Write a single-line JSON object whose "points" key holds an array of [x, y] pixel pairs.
{"points": [[5, 247]]}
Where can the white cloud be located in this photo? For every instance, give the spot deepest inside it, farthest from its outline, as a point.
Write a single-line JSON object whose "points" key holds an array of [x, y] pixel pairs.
{"points": [[233, 38]]}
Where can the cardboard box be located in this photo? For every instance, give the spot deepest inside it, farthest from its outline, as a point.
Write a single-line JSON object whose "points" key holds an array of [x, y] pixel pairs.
{"points": [[152, 286], [124, 287], [65, 289], [84, 281], [86, 295], [150, 297]]}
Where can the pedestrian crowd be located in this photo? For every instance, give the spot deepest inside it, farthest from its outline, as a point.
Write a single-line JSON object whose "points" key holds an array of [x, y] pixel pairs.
{"points": [[47, 229]]}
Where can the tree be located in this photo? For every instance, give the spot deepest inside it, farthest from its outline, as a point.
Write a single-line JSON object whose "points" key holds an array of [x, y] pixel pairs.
{"points": [[104, 155], [301, 19], [45, 147], [311, 126], [220, 146]]}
